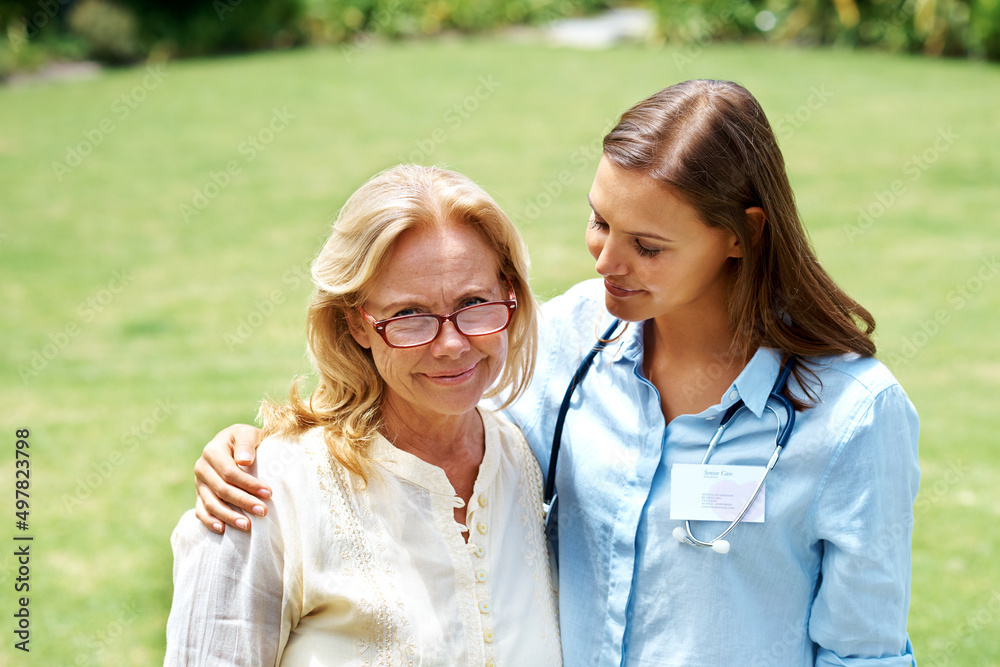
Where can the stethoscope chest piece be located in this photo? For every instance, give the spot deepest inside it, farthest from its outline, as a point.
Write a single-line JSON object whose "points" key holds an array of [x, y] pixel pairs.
{"points": [[682, 534], [720, 544]]}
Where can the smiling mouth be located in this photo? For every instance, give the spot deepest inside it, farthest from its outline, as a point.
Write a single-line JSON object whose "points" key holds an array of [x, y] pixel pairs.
{"points": [[614, 290], [453, 377]]}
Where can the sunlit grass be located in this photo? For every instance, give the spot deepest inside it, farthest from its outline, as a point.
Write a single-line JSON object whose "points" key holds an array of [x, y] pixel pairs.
{"points": [[134, 329]]}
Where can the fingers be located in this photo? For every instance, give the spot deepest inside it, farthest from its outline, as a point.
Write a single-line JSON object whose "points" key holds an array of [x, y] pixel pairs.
{"points": [[219, 481], [210, 522], [218, 455], [214, 492], [245, 440]]}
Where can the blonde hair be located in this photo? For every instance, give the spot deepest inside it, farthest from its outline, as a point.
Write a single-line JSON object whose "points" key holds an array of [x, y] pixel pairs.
{"points": [[347, 401]]}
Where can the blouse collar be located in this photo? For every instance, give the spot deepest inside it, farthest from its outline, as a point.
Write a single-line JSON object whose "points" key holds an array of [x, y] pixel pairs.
{"points": [[414, 469]]}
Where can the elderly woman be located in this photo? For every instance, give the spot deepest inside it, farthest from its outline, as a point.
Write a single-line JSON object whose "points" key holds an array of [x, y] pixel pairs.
{"points": [[405, 526]]}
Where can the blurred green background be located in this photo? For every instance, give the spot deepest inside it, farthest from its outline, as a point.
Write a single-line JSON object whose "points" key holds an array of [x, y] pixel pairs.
{"points": [[157, 221], [122, 31]]}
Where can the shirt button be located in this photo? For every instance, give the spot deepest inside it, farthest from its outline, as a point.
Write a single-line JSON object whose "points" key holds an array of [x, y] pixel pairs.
{"points": [[733, 395], [480, 576], [488, 636], [484, 606], [482, 500], [481, 527], [480, 550]]}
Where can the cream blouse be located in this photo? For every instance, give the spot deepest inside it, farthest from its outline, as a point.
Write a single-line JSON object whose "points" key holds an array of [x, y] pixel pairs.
{"points": [[343, 574]]}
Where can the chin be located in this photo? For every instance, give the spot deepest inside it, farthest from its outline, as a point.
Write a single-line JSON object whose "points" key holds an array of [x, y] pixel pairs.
{"points": [[624, 313]]}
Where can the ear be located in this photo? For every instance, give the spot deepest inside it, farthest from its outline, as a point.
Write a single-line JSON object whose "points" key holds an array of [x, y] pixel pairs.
{"points": [[358, 331], [757, 219]]}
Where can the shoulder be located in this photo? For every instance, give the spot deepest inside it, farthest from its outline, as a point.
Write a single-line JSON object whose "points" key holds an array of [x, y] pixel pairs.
{"points": [[291, 459], [509, 435], [853, 375], [515, 455], [586, 298], [860, 392], [190, 534], [571, 322]]}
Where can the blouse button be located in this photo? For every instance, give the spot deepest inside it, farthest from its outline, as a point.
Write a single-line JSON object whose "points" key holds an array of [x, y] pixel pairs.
{"points": [[484, 606], [481, 527], [733, 395], [488, 636], [482, 500], [480, 550], [480, 576], [490, 663]]}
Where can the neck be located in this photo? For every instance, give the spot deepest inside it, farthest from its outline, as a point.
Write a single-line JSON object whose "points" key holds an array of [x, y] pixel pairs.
{"points": [[442, 441], [454, 443], [686, 338], [690, 361]]}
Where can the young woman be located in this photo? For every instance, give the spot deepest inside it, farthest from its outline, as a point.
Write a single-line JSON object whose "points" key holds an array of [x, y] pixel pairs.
{"points": [[701, 251]]}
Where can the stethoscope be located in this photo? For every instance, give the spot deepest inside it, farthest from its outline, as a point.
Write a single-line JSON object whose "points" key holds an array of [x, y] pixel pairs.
{"points": [[683, 535]]}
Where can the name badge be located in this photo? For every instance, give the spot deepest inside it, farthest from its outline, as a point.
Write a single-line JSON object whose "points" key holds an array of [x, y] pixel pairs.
{"points": [[715, 493]]}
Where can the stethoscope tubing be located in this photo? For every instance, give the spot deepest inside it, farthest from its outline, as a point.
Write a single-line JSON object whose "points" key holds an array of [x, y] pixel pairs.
{"points": [[581, 372], [781, 441]]}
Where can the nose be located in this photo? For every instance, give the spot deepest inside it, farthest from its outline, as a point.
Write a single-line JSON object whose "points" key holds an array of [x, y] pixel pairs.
{"points": [[606, 251], [449, 342]]}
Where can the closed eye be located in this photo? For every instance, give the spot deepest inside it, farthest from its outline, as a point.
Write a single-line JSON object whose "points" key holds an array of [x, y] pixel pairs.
{"points": [[645, 251], [597, 223]]}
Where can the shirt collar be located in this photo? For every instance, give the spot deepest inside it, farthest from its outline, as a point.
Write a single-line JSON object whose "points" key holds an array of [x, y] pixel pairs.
{"points": [[753, 384]]}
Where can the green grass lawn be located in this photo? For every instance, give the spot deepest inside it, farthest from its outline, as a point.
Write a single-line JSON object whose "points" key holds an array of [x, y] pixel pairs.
{"points": [[156, 228]]}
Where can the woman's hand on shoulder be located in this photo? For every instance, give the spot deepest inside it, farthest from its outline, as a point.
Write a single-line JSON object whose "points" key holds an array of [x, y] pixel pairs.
{"points": [[219, 480]]}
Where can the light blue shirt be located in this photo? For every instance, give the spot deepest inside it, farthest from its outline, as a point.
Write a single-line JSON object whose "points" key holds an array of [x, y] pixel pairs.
{"points": [[824, 580]]}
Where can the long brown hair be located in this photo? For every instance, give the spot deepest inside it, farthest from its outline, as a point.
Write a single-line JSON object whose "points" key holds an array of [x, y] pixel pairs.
{"points": [[711, 141], [348, 398]]}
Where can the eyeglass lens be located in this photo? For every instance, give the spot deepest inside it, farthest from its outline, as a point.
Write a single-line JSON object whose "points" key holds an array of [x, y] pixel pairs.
{"points": [[478, 320]]}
